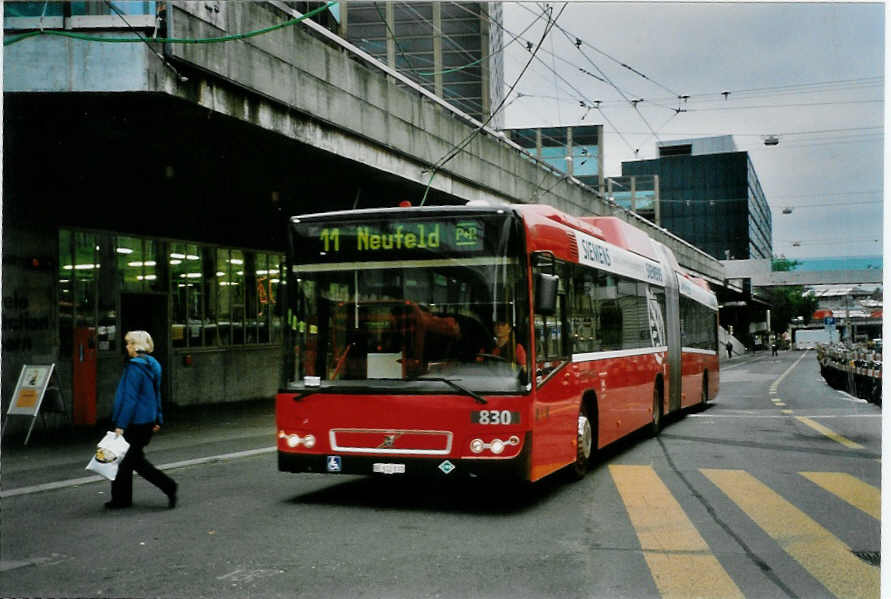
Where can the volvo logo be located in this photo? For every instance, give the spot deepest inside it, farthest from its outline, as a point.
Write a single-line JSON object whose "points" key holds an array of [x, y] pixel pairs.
{"points": [[389, 440]]}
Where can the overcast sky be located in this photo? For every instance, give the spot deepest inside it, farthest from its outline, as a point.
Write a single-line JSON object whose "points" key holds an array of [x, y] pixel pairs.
{"points": [[811, 74]]}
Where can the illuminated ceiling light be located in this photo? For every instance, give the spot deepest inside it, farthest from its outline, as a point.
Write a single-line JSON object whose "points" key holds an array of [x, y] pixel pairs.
{"points": [[124, 251], [236, 261], [174, 262], [178, 256], [192, 257], [220, 273]]}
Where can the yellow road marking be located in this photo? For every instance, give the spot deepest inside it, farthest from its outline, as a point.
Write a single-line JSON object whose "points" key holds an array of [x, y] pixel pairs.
{"points": [[780, 404], [861, 495], [787, 411], [822, 554], [829, 433], [679, 559]]}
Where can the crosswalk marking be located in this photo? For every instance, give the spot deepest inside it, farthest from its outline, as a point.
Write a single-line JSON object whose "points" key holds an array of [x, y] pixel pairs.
{"points": [[863, 496], [823, 555], [829, 433], [679, 559]]}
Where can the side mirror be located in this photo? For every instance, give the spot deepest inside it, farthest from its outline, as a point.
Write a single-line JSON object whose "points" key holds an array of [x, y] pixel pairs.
{"points": [[546, 293]]}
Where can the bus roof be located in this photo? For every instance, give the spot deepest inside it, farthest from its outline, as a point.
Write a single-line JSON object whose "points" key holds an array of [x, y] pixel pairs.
{"points": [[540, 220]]}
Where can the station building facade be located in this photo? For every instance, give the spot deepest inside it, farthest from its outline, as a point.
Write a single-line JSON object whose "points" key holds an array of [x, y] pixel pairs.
{"points": [[132, 201]]}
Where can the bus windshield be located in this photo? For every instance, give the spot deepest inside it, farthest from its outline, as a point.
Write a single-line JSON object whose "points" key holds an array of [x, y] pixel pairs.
{"points": [[402, 297]]}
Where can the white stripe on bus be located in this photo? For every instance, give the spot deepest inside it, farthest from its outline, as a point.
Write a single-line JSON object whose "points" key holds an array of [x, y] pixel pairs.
{"points": [[621, 353]]}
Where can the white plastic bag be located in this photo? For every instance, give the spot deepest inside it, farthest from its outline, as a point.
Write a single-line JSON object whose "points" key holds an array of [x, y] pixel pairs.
{"points": [[109, 453]]}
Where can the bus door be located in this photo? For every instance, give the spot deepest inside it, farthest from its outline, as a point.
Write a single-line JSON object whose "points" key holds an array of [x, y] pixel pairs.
{"points": [[556, 380]]}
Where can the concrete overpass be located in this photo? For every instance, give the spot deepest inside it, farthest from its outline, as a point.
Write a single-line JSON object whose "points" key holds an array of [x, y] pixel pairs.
{"points": [[294, 120], [761, 275]]}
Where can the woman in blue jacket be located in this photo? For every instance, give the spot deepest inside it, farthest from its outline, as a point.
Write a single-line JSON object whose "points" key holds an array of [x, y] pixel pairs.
{"points": [[136, 415]]}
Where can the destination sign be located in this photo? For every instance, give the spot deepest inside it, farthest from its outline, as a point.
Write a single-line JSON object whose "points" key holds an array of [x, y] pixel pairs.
{"points": [[395, 237]]}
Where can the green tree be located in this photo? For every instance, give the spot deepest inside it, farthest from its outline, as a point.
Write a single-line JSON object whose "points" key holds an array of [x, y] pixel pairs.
{"points": [[787, 303], [783, 264]]}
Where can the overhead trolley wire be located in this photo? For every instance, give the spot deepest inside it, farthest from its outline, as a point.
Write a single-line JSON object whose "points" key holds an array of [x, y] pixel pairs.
{"points": [[458, 148], [459, 47], [621, 93], [578, 42]]}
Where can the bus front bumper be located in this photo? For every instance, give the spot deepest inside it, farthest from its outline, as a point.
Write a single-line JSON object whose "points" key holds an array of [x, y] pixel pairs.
{"points": [[516, 467]]}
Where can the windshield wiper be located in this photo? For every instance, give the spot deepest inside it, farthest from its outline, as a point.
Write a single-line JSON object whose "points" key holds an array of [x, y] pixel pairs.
{"points": [[476, 396]]}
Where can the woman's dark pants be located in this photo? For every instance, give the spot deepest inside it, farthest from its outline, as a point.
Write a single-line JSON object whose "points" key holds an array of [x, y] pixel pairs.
{"points": [[138, 436]]}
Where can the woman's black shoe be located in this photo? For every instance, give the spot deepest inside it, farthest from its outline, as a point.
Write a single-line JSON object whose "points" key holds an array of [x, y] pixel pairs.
{"points": [[111, 505]]}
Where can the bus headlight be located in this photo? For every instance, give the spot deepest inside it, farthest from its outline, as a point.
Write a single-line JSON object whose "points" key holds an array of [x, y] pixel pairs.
{"points": [[295, 440], [496, 446]]}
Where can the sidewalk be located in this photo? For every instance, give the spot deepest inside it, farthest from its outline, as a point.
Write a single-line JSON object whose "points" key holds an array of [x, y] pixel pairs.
{"points": [[188, 433]]}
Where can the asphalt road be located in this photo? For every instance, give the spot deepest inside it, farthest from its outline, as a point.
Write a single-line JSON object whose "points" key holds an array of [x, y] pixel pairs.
{"points": [[770, 492]]}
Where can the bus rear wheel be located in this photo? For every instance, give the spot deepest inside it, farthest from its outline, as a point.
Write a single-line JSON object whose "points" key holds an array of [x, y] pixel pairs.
{"points": [[585, 436]]}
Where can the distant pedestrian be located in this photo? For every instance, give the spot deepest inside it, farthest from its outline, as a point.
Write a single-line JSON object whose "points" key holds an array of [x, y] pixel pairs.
{"points": [[729, 347], [136, 415], [774, 348]]}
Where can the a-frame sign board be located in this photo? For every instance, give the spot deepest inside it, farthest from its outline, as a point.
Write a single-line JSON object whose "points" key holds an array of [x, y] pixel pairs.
{"points": [[29, 392]]}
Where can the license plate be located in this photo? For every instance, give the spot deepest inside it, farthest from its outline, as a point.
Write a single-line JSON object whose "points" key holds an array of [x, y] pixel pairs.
{"points": [[388, 468]]}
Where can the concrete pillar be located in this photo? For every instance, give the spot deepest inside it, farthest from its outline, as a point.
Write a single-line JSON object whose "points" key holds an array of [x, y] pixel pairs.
{"points": [[437, 49], [485, 95], [391, 30]]}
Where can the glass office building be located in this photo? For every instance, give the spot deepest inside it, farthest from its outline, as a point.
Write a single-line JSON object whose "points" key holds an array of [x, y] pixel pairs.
{"points": [[639, 193], [577, 151], [451, 48], [713, 201]]}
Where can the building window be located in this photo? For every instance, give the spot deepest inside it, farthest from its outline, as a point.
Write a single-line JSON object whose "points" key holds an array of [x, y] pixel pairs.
{"points": [[85, 271], [187, 288], [65, 293], [218, 296], [681, 150]]}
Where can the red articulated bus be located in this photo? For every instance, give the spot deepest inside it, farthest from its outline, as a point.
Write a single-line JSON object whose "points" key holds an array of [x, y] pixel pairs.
{"points": [[496, 341]]}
